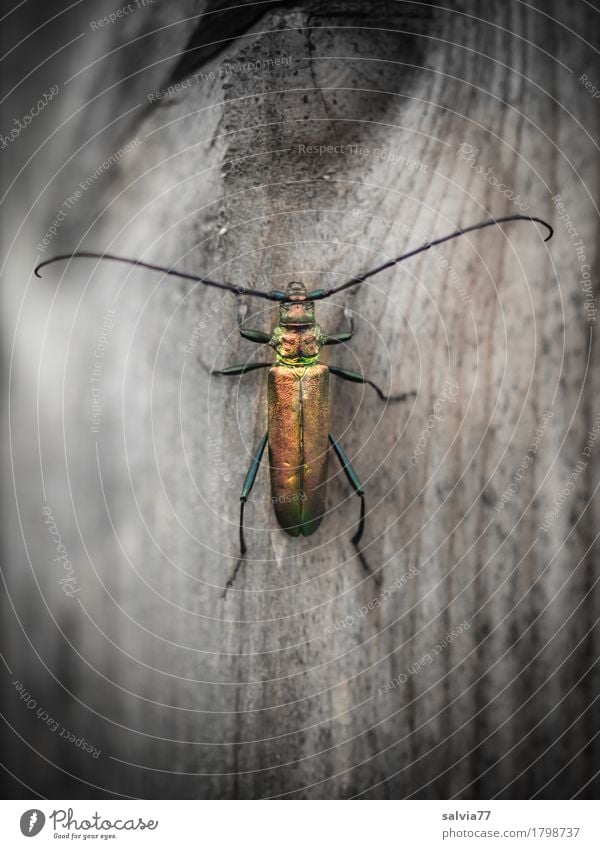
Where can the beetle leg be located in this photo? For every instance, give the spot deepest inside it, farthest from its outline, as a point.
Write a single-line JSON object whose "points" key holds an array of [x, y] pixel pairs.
{"points": [[255, 336], [354, 377], [338, 338], [240, 368], [356, 485], [246, 490], [251, 335]]}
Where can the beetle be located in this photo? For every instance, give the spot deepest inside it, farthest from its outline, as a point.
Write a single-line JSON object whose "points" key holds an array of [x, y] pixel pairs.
{"points": [[298, 392]]}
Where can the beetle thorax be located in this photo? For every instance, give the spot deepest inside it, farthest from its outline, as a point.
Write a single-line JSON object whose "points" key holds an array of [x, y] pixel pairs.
{"points": [[297, 339]]}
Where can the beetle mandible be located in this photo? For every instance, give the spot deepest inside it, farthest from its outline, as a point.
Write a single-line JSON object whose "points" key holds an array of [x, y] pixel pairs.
{"points": [[298, 392]]}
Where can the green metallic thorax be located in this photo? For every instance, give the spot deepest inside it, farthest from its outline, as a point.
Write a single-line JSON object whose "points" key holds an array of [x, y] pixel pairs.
{"points": [[297, 340]]}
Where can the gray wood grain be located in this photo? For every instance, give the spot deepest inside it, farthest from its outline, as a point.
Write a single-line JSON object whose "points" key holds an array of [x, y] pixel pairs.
{"points": [[292, 685]]}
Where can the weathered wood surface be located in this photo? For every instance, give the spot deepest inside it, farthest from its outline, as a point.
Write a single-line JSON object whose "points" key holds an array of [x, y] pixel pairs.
{"points": [[282, 688]]}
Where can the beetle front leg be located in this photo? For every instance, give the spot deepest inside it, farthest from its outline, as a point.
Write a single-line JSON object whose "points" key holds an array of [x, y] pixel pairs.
{"points": [[354, 377], [246, 490], [338, 338], [344, 336], [358, 489], [251, 335]]}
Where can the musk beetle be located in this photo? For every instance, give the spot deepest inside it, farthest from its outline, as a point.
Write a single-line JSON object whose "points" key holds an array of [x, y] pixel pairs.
{"points": [[298, 392]]}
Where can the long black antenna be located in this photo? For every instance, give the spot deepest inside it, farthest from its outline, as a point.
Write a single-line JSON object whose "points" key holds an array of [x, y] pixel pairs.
{"points": [[319, 294], [236, 290]]}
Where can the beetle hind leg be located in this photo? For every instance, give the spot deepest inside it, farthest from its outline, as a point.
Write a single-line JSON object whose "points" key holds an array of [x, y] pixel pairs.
{"points": [[246, 490], [231, 580], [354, 377], [356, 485]]}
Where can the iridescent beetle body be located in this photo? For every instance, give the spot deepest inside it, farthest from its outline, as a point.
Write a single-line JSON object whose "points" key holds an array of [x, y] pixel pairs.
{"points": [[298, 445], [298, 392], [298, 417]]}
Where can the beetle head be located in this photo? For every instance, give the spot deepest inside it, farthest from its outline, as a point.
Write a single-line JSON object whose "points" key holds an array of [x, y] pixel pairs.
{"points": [[296, 310]]}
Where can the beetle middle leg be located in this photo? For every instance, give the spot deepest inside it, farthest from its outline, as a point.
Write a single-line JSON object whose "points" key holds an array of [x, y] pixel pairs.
{"points": [[356, 485], [252, 336], [246, 490], [240, 368], [354, 377]]}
